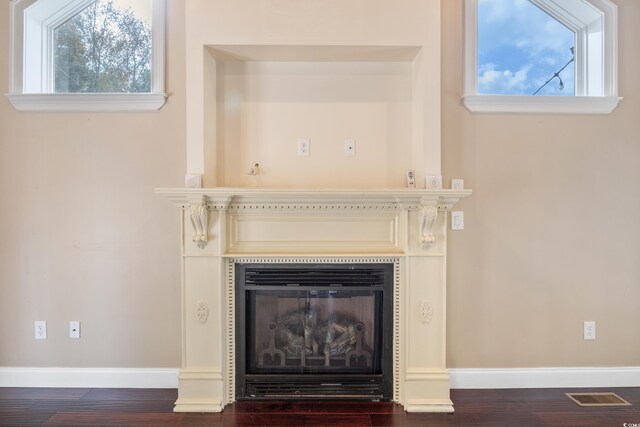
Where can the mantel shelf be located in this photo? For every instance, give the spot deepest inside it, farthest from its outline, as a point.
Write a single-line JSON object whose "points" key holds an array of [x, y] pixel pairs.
{"points": [[223, 197]]}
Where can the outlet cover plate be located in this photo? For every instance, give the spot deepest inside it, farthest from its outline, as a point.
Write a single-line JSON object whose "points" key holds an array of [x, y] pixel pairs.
{"points": [[457, 220], [590, 330], [74, 329], [350, 147], [41, 329], [304, 146]]}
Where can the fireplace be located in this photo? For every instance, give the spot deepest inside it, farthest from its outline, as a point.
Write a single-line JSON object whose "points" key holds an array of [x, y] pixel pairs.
{"points": [[261, 265], [314, 331]]}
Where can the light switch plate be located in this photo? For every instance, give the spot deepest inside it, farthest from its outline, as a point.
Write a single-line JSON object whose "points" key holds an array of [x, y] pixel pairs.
{"points": [[457, 220]]}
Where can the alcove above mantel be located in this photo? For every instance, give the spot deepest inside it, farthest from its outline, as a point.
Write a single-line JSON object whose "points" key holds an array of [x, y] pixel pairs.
{"points": [[263, 99]]}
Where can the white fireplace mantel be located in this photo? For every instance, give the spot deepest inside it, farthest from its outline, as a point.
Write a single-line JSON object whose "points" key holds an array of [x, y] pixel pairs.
{"points": [[225, 226], [401, 196]]}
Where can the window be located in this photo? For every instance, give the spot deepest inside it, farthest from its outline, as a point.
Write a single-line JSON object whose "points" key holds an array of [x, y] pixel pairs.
{"points": [[516, 58], [104, 48], [87, 55], [523, 55]]}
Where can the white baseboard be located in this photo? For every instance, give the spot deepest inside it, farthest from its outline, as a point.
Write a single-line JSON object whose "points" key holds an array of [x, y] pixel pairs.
{"points": [[89, 377], [544, 378], [459, 378]]}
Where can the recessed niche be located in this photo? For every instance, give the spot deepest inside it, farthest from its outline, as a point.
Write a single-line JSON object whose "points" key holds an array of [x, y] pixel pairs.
{"points": [[260, 100]]}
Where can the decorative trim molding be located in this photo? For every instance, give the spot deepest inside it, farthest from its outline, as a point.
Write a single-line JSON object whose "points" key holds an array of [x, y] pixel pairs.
{"points": [[230, 357], [545, 377], [200, 374], [295, 200], [313, 259], [398, 333], [202, 312], [89, 377], [425, 311]]}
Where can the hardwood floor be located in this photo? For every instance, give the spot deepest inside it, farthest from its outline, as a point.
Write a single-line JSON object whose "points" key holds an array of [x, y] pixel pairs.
{"points": [[154, 407]]}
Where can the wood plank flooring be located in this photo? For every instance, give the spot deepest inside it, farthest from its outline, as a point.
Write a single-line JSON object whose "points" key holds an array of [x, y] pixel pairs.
{"points": [[154, 407]]}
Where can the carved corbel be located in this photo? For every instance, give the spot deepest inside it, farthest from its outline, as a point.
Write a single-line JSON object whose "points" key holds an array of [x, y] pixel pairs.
{"points": [[199, 215], [428, 216]]}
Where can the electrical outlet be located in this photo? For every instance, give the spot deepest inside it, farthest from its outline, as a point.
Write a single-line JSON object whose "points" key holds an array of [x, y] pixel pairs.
{"points": [[304, 146], [41, 329], [590, 330], [74, 329]]}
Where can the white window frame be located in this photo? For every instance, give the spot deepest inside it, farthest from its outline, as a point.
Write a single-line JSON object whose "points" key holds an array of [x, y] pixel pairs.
{"points": [[595, 23], [31, 87]]}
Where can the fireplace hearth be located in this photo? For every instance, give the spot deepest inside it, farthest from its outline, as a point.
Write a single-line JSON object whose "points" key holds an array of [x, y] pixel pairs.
{"points": [[314, 331]]}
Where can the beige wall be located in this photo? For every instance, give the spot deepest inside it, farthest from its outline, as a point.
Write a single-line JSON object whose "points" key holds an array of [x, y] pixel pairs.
{"points": [[266, 106], [82, 235], [552, 233]]}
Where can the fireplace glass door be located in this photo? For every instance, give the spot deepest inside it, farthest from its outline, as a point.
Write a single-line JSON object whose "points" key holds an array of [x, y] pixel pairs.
{"points": [[314, 330]]}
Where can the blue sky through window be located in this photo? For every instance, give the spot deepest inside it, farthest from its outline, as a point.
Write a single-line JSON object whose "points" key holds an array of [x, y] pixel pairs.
{"points": [[520, 47]]}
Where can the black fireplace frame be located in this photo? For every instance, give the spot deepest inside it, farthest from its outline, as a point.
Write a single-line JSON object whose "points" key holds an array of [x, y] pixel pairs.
{"points": [[377, 277]]}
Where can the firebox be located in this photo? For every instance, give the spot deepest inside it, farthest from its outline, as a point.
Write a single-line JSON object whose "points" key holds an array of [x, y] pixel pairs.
{"points": [[314, 331]]}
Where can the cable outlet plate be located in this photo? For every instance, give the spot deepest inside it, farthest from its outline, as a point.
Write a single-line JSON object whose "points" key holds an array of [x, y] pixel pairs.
{"points": [[74, 329], [350, 147]]}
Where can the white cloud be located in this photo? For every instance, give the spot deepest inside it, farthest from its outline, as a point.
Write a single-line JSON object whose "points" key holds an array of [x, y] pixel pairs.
{"points": [[519, 45], [521, 24], [494, 81], [496, 11]]}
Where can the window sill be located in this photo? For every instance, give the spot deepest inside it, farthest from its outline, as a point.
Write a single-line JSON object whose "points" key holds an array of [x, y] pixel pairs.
{"points": [[513, 104], [88, 102]]}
